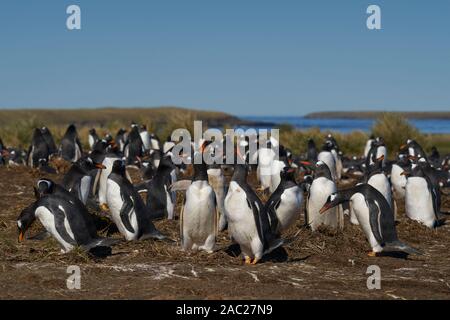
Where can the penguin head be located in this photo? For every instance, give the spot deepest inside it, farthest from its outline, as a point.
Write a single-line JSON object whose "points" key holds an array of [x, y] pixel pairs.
{"points": [[25, 220], [88, 164], [45, 186], [288, 174], [119, 168], [92, 131], [333, 200]]}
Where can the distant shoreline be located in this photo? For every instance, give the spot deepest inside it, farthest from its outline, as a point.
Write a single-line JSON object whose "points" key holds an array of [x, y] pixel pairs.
{"points": [[435, 115]]}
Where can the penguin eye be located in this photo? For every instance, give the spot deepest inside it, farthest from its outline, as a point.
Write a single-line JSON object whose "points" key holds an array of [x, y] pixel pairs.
{"points": [[332, 197]]}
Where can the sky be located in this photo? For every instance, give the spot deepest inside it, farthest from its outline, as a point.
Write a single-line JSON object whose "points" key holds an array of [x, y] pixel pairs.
{"points": [[245, 57]]}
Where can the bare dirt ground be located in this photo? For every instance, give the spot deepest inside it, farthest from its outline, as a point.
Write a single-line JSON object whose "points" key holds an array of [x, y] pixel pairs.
{"points": [[314, 266]]}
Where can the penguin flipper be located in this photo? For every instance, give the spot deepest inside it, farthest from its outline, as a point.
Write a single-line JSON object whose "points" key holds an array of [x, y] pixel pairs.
{"points": [[60, 226], [374, 216], [127, 206]]}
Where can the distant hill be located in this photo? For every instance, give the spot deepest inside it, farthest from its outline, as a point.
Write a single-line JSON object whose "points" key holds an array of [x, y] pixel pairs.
{"points": [[375, 114], [124, 116]]}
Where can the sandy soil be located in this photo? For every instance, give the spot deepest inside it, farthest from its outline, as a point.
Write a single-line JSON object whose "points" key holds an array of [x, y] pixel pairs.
{"points": [[313, 266]]}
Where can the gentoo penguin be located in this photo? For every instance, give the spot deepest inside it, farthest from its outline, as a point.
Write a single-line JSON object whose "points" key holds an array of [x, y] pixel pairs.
{"points": [[368, 146], [377, 150], [414, 149], [248, 223], [52, 149], [155, 142], [101, 178], [199, 217], [322, 186], [284, 205], [327, 157], [336, 155], [312, 151], [70, 148], [398, 180], [216, 179], [375, 217], [44, 167], [435, 157], [48, 187], [121, 138], [134, 148], [127, 208], [159, 199], [93, 138], [145, 137], [266, 156], [421, 197], [61, 219], [377, 179], [78, 179], [37, 150]]}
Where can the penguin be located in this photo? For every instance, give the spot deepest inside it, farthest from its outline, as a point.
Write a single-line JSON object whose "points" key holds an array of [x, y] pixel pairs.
{"points": [[70, 148], [336, 155], [145, 137], [121, 138], [199, 215], [377, 179], [127, 208], [421, 197], [377, 150], [248, 223], [266, 156], [312, 151], [284, 205], [368, 145], [60, 218], [414, 149], [78, 179], [134, 148], [322, 186], [155, 143], [37, 150], [435, 157], [46, 186], [101, 179], [375, 217], [159, 199], [327, 157], [93, 138], [48, 137]]}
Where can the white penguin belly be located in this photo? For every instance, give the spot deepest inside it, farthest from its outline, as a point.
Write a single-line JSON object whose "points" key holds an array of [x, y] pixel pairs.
{"points": [[199, 217], [104, 173], [114, 201], [361, 211], [85, 186], [275, 179], [289, 209], [319, 191], [398, 182], [381, 183], [241, 222], [48, 221], [419, 202], [264, 169]]}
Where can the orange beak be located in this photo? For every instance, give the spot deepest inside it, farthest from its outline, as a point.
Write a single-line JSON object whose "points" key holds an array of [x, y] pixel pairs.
{"points": [[306, 163], [100, 166], [21, 236], [403, 173], [325, 208], [381, 158]]}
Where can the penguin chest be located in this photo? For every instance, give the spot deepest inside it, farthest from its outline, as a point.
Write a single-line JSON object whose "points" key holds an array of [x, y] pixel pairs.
{"points": [[319, 191], [362, 213], [85, 187], [199, 212], [276, 168], [103, 180], [289, 208], [241, 221], [115, 204], [91, 141], [47, 219], [419, 201], [398, 181], [381, 183], [328, 159]]}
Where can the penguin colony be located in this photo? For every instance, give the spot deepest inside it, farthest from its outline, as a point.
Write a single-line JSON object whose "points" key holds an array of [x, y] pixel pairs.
{"points": [[294, 185]]}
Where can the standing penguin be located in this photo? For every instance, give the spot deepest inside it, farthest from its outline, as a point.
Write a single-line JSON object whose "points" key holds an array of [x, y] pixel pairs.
{"points": [[145, 136], [121, 138], [38, 149], [321, 187], [248, 223], [78, 179], [421, 198], [199, 217], [375, 217], [128, 210], [49, 140], [159, 199], [134, 148], [312, 151], [368, 145], [93, 138], [70, 148], [377, 179], [284, 205]]}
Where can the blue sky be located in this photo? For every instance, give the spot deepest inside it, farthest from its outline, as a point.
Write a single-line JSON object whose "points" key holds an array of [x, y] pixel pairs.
{"points": [[246, 57]]}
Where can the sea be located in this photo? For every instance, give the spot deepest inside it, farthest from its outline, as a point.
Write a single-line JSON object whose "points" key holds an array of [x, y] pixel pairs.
{"points": [[345, 125]]}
